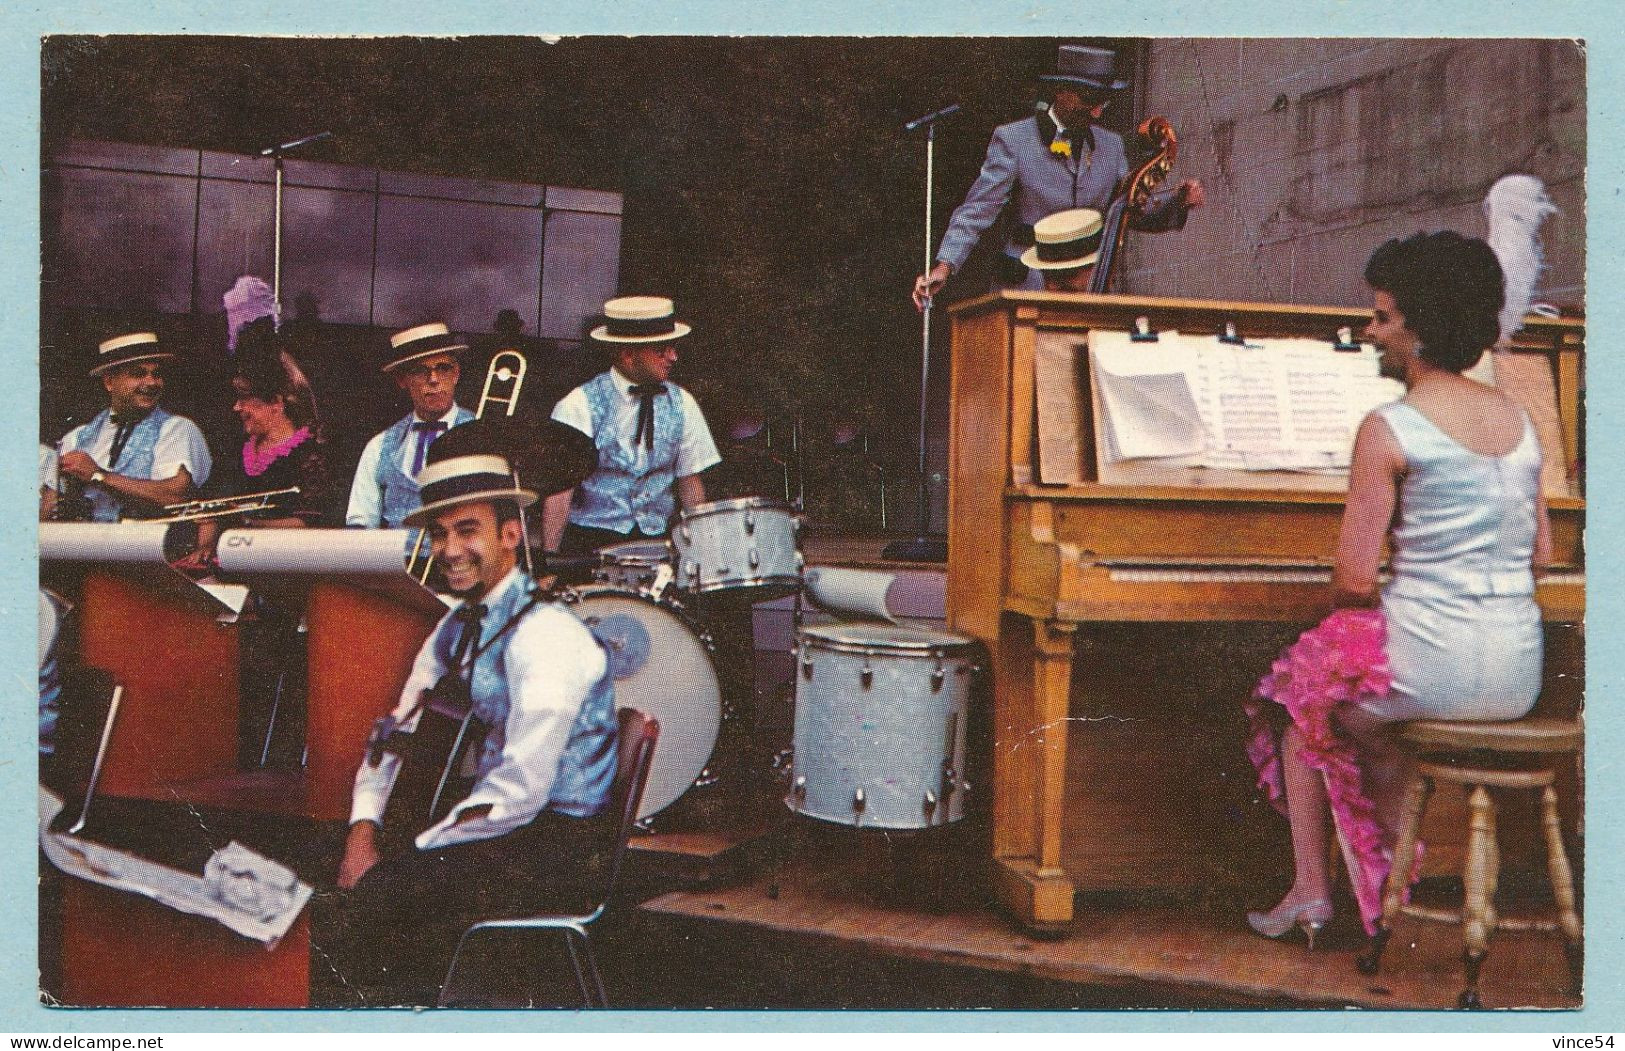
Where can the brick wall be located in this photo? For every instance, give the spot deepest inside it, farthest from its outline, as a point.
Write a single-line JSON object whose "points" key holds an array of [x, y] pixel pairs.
{"points": [[1315, 151]]}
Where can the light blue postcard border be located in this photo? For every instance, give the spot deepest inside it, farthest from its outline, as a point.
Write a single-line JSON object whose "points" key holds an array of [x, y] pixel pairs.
{"points": [[25, 21]]}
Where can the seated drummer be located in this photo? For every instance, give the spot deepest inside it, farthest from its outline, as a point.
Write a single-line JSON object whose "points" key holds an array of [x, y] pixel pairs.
{"points": [[530, 834], [652, 438], [1065, 247], [134, 457], [423, 363]]}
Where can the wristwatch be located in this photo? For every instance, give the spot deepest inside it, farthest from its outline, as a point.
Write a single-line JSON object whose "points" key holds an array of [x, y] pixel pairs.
{"points": [[98, 477]]}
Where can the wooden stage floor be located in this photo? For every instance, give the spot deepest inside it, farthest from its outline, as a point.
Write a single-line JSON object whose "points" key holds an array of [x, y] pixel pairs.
{"points": [[1118, 953]]}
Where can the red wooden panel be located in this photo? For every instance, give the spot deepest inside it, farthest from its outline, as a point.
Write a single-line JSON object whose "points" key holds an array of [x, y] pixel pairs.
{"points": [[178, 719], [361, 648], [455, 261], [581, 270], [121, 950]]}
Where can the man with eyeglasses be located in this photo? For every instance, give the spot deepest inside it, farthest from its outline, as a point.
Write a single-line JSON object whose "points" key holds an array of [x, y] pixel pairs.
{"points": [[133, 457], [1057, 159], [423, 362]]}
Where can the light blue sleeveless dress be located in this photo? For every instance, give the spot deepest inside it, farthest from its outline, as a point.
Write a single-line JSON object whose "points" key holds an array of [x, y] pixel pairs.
{"points": [[1464, 632]]}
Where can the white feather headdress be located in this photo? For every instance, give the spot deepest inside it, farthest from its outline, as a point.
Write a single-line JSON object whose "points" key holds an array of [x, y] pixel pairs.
{"points": [[1515, 207]]}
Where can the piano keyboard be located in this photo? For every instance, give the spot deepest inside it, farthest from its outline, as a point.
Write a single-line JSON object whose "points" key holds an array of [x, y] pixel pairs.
{"points": [[1140, 571]]}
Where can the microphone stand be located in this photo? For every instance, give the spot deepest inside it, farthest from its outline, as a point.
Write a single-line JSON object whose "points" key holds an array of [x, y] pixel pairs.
{"points": [[924, 548], [276, 153]]}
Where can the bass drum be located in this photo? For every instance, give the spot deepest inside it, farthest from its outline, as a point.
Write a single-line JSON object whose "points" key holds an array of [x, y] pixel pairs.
{"points": [[662, 667]]}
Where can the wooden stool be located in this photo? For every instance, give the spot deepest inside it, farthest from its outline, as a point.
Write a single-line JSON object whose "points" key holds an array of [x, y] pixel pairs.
{"points": [[1519, 754]]}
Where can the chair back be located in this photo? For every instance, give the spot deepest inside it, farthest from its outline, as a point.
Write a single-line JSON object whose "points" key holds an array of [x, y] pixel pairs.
{"points": [[635, 756]]}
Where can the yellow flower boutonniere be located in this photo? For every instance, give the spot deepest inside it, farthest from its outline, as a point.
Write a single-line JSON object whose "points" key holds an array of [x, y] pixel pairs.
{"points": [[1061, 148]]}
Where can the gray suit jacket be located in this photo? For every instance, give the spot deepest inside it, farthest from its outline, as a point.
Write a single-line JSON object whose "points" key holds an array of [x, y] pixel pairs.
{"points": [[1019, 164]]}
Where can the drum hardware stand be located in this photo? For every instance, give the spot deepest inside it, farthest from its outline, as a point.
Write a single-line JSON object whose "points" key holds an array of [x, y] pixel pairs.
{"points": [[924, 548], [276, 153], [101, 755]]}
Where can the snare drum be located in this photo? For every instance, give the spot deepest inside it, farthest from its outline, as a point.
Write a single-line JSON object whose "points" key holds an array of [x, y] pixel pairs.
{"points": [[632, 566], [748, 545], [880, 725], [662, 667]]}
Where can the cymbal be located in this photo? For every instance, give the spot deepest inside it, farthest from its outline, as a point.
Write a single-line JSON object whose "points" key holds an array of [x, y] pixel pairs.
{"points": [[549, 456]]}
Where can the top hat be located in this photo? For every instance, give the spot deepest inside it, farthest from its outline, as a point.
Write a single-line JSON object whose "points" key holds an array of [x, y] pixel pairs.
{"points": [[1065, 240], [640, 319], [122, 350], [1090, 67], [423, 341]]}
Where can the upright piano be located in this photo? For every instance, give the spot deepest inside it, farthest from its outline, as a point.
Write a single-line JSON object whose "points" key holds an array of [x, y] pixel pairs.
{"points": [[1034, 565]]}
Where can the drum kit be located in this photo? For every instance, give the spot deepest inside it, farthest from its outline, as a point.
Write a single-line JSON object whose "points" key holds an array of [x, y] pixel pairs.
{"points": [[880, 708]]}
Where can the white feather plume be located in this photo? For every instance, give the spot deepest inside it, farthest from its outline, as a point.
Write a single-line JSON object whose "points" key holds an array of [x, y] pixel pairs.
{"points": [[1515, 207]]}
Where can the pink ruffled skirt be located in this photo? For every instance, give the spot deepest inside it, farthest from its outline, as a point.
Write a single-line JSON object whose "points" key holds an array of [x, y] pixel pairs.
{"points": [[1343, 660]]}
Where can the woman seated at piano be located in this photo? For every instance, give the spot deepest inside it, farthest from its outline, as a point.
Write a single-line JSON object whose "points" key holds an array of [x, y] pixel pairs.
{"points": [[1449, 476], [283, 453]]}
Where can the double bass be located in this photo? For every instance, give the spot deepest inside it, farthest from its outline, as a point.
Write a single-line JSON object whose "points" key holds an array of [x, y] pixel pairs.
{"points": [[1131, 201]]}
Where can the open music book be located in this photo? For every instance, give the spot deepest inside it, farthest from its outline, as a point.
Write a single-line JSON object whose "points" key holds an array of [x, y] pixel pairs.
{"points": [[1262, 405]]}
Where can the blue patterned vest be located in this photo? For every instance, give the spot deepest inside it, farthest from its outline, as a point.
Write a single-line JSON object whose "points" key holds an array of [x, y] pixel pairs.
{"points": [[622, 494], [135, 461], [587, 766], [399, 489]]}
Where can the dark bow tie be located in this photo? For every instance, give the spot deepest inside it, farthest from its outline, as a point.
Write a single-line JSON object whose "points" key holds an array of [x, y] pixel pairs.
{"points": [[427, 431], [469, 616], [646, 412], [121, 436]]}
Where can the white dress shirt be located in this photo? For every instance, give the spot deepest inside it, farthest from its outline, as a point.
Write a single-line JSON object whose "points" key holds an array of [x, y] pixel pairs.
{"points": [[696, 450], [551, 664], [180, 444], [366, 499]]}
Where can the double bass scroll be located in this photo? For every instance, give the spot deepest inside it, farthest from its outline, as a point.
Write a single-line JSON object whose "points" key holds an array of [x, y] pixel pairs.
{"points": [[1133, 197]]}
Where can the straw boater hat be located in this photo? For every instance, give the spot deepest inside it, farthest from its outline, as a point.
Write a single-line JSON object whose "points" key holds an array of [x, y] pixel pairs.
{"points": [[1065, 240], [640, 319], [1090, 67], [121, 350], [465, 479], [411, 344]]}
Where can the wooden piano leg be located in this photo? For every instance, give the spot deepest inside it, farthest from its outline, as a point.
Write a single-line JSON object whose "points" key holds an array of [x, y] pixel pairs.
{"points": [[1031, 705]]}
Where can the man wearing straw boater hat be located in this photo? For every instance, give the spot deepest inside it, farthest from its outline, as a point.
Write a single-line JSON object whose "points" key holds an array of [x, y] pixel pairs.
{"points": [[1058, 158], [423, 363], [652, 439], [1065, 247], [134, 457], [525, 835]]}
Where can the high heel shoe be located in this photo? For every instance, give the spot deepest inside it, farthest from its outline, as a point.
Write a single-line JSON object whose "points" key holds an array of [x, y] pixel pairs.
{"points": [[1311, 918]]}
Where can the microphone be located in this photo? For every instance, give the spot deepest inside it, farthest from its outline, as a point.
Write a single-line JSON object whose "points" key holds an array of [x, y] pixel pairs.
{"points": [[272, 151], [930, 118]]}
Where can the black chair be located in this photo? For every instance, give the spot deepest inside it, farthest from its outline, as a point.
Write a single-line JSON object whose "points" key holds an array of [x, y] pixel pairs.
{"points": [[638, 735]]}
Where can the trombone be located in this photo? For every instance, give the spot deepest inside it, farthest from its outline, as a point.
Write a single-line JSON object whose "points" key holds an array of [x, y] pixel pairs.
{"points": [[503, 380]]}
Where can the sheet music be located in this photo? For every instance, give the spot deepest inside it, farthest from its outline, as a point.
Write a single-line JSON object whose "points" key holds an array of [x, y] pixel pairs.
{"points": [[1265, 405]]}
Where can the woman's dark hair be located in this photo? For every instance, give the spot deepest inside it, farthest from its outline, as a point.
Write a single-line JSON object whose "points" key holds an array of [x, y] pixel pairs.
{"points": [[269, 373], [1449, 288]]}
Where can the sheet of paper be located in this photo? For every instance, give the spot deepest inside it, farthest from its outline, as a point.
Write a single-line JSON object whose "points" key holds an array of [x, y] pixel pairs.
{"points": [[1148, 404], [181, 891]]}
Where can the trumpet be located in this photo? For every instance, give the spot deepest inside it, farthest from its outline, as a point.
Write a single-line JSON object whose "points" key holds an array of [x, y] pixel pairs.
{"points": [[506, 374], [221, 507]]}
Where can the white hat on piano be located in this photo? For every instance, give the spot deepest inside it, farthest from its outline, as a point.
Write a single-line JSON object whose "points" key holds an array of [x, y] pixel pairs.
{"points": [[1065, 240], [465, 480]]}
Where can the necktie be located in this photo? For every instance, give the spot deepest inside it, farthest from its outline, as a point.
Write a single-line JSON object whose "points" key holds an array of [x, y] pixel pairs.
{"points": [[121, 437], [646, 412], [469, 615], [427, 432]]}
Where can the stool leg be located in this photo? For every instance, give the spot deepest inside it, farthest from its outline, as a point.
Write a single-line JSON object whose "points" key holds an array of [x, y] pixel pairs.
{"points": [[1557, 866], [1477, 910], [1399, 876]]}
